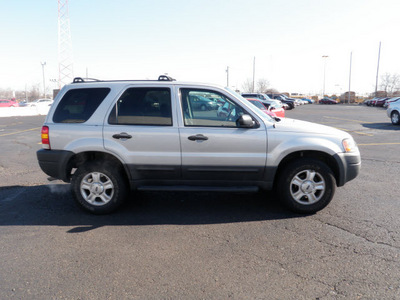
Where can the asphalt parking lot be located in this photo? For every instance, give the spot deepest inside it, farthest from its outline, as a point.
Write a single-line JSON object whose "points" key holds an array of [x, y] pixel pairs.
{"points": [[203, 245]]}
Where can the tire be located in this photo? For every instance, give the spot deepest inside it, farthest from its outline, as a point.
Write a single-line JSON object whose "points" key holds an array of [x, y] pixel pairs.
{"points": [[395, 118], [203, 107], [306, 186], [99, 187]]}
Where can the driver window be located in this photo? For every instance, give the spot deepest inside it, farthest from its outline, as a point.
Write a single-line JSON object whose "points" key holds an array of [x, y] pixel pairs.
{"points": [[209, 108]]}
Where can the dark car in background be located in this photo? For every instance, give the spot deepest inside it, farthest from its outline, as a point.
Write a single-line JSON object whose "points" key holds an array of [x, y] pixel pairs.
{"points": [[327, 100], [285, 99], [381, 102]]}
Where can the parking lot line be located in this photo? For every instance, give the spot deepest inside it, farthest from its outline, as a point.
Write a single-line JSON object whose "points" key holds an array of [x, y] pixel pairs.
{"points": [[358, 132], [378, 144], [11, 133], [351, 120]]}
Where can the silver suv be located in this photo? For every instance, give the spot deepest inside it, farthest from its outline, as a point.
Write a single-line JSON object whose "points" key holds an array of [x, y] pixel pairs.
{"points": [[108, 137]]}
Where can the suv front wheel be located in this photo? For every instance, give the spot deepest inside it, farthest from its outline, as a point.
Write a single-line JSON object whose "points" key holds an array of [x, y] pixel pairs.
{"points": [[306, 185], [99, 187]]}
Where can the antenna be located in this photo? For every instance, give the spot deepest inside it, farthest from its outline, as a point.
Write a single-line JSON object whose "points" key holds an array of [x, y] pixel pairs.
{"points": [[65, 60]]}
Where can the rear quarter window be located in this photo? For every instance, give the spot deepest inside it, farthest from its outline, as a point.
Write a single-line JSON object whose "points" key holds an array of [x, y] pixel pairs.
{"points": [[78, 105]]}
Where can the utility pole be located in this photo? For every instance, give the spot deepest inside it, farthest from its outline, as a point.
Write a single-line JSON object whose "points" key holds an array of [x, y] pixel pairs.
{"points": [[227, 76], [44, 82], [323, 90], [377, 70], [254, 72], [351, 57]]}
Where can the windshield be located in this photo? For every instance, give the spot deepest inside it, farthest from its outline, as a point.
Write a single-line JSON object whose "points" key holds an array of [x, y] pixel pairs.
{"points": [[258, 104], [267, 97]]}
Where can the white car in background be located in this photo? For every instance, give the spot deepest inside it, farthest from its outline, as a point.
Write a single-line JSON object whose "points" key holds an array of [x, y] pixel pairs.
{"points": [[393, 112], [40, 103]]}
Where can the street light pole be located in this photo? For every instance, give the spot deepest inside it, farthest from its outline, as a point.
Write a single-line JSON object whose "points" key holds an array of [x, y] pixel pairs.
{"points": [[44, 82], [227, 76], [351, 58], [254, 71], [377, 70], [323, 90]]}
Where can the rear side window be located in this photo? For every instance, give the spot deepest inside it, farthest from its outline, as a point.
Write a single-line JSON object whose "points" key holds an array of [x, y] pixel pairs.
{"points": [[78, 105], [143, 106]]}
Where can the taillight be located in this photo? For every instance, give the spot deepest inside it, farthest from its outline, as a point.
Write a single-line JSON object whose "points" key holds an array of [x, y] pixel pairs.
{"points": [[45, 137]]}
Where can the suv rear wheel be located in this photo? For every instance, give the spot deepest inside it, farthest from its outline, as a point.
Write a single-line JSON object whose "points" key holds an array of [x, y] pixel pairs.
{"points": [[99, 187], [306, 185]]}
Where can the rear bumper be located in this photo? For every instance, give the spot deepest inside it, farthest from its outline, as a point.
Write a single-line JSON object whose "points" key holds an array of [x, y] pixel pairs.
{"points": [[55, 163]]}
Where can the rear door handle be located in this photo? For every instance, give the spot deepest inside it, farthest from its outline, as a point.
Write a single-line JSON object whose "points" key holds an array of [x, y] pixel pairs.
{"points": [[198, 137], [122, 135]]}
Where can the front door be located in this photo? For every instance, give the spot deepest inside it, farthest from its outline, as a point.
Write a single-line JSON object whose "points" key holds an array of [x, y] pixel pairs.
{"points": [[214, 148]]}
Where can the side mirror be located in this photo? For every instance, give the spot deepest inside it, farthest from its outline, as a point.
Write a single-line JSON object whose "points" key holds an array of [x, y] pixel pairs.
{"points": [[245, 121]]}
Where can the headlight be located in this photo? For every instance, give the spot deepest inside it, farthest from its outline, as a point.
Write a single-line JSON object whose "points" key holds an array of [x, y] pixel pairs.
{"points": [[349, 145]]}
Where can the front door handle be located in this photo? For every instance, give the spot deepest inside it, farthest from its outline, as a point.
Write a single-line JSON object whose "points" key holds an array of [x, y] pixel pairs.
{"points": [[198, 137], [122, 135]]}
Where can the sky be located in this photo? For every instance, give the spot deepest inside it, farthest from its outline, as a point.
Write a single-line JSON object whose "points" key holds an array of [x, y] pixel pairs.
{"points": [[197, 40]]}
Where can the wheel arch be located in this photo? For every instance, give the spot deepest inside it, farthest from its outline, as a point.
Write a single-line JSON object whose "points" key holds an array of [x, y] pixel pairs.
{"points": [[79, 159], [326, 158]]}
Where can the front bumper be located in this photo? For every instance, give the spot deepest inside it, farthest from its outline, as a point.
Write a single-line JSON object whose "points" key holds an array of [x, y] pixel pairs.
{"points": [[349, 166]]}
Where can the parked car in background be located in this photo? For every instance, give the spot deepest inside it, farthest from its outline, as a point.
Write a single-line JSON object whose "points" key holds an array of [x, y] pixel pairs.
{"points": [[289, 101], [265, 99], [381, 101], [8, 103], [391, 100], [219, 101], [257, 103], [276, 109], [202, 103], [256, 96], [22, 103], [393, 112], [272, 109], [309, 101], [327, 100], [40, 103]]}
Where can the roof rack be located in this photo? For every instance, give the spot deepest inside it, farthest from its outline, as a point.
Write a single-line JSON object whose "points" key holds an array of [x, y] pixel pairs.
{"points": [[165, 78], [81, 80]]}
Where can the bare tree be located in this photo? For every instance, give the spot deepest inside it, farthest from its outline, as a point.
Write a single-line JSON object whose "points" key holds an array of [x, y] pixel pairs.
{"points": [[390, 83], [247, 86], [34, 93], [6, 93], [272, 91], [262, 85]]}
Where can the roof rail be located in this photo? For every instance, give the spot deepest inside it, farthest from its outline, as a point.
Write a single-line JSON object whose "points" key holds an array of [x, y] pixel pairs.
{"points": [[165, 78], [80, 79]]}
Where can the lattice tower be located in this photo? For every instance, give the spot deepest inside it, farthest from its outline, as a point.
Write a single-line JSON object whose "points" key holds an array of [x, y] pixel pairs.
{"points": [[65, 57]]}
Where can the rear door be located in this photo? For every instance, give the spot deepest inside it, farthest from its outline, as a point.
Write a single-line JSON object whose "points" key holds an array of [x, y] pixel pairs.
{"points": [[214, 148], [141, 130]]}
